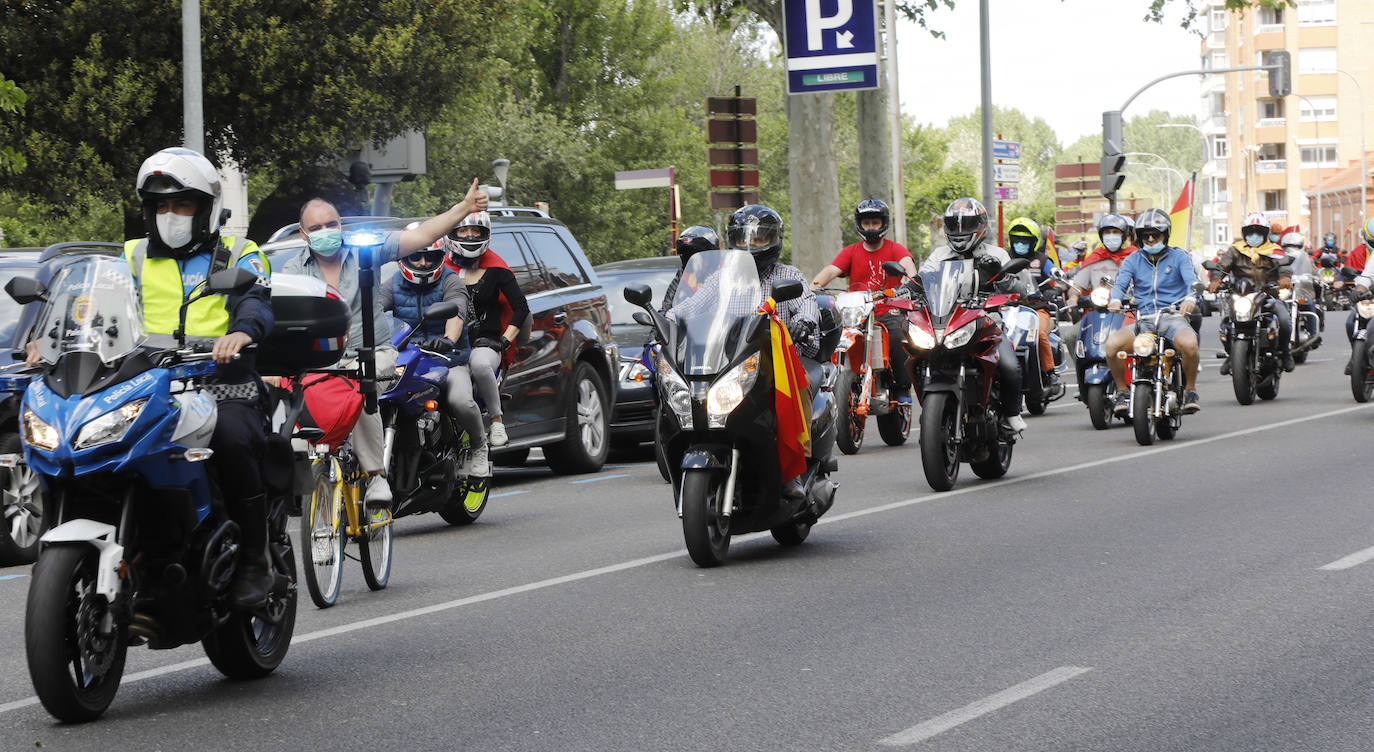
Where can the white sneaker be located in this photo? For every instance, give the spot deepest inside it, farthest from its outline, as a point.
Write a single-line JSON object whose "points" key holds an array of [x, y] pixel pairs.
{"points": [[481, 463], [498, 435], [1016, 423], [378, 492]]}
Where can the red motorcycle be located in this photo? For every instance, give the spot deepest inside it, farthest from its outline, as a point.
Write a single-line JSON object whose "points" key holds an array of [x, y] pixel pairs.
{"points": [[953, 341], [865, 384]]}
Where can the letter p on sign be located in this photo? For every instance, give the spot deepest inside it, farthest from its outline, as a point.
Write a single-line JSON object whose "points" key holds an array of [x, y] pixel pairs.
{"points": [[817, 23]]}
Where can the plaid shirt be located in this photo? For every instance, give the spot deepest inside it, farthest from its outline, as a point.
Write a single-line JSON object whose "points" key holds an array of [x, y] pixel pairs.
{"points": [[797, 310]]}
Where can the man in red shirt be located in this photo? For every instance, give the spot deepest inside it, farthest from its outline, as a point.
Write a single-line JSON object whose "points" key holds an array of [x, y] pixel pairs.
{"points": [[862, 263]]}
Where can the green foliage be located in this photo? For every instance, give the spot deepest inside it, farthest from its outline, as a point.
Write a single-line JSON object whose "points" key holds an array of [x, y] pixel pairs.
{"points": [[26, 222], [12, 100]]}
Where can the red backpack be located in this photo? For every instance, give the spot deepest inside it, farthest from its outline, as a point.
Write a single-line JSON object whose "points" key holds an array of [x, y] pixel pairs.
{"points": [[332, 404]]}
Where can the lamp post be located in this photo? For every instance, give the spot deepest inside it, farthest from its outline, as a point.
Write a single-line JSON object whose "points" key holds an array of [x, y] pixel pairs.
{"points": [[1364, 167], [501, 168], [1316, 130]]}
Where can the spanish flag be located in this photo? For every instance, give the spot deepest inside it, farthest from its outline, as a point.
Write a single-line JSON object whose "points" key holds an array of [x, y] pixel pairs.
{"points": [[1052, 250], [1181, 217], [790, 398]]}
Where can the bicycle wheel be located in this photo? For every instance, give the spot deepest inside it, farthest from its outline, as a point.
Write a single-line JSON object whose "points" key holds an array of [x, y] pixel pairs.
{"points": [[322, 540], [374, 547]]}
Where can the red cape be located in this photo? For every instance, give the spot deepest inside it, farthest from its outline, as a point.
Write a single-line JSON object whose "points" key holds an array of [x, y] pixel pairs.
{"points": [[1101, 253], [490, 260]]}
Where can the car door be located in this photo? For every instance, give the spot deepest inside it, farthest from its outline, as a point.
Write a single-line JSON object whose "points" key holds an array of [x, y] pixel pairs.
{"points": [[529, 388]]}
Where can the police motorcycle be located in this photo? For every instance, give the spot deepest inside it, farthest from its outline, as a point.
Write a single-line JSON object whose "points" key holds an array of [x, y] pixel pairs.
{"points": [[1021, 327], [424, 446], [715, 373], [865, 384], [954, 360], [1157, 381], [1306, 335], [1250, 333], [142, 550], [1096, 387]]}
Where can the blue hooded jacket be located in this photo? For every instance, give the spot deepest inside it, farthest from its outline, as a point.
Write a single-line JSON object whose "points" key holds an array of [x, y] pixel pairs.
{"points": [[1157, 284]]}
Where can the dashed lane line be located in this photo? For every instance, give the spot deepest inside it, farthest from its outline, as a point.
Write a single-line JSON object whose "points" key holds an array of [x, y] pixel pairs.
{"points": [[942, 723], [1346, 562], [598, 478]]}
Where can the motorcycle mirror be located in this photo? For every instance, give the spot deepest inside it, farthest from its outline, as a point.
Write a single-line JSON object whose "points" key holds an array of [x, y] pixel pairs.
{"points": [[442, 311], [26, 289], [789, 289], [893, 269], [236, 281], [642, 318], [638, 294], [1015, 266]]}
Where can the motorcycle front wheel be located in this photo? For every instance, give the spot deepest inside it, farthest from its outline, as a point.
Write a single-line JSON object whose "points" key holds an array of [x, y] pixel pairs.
{"points": [[850, 437], [1361, 387], [1099, 406], [75, 668], [705, 531], [1143, 402], [1242, 377], [939, 448]]}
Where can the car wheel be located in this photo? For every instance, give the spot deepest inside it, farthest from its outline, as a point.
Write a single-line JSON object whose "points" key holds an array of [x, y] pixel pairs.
{"points": [[588, 425]]}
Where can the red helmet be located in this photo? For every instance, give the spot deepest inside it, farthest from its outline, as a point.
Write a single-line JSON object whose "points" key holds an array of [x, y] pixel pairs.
{"points": [[433, 256]]}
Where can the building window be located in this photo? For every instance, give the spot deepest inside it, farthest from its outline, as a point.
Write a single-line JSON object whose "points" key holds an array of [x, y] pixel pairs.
{"points": [[1218, 60], [1273, 201], [1317, 60], [1319, 155], [1221, 148], [1270, 112], [1317, 108], [1221, 233], [1217, 104], [1270, 19], [1219, 192], [1219, 20], [1316, 12]]}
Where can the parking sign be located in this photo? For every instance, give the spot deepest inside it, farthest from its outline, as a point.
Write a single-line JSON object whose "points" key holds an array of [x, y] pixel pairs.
{"points": [[830, 45]]}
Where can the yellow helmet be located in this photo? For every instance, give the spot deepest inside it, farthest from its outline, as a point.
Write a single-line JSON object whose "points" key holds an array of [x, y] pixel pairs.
{"points": [[1027, 228]]}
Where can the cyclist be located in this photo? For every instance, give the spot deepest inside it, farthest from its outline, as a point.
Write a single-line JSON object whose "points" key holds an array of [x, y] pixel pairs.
{"points": [[862, 263], [421, 281]]}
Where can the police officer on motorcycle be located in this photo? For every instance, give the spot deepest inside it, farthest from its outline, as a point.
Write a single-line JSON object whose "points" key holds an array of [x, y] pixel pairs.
{"points": [[1255, 258], [966, 237]]}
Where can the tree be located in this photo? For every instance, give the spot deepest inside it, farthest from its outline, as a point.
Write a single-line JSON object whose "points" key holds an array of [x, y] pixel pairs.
{"points": [[285, 83], [12, 100]]}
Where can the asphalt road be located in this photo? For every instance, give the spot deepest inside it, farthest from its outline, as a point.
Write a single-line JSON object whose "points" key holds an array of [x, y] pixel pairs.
{"points": [[1196, 595]]}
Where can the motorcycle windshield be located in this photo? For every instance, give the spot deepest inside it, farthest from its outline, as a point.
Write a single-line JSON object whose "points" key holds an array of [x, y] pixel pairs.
{"points": [[945, 286], [93, 306], [718, 297]]}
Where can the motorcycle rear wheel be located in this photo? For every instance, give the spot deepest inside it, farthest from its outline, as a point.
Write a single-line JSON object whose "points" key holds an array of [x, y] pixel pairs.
{"points": [[1142, 398], [792, 534], [850, 436], [997, 463], [1361, 387], [1242, 378], [895, 426], [249, 646], [939, 450], [705, 531], [1099, 406], [468, 502], [61, 599]]}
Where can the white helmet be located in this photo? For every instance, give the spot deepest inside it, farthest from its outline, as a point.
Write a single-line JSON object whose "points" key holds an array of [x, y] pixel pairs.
{"points": [[1293, 240], [469, 248], [181, 173]]}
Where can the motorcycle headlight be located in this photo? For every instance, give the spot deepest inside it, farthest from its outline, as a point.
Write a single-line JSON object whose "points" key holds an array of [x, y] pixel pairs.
{"points": [[1101, 296], [852, 316], [960, 337], [1242, 307], [1365, 309], [675, 392], [919, 338], [111, 426], [400, 371], [37, 433], [1285, 294], [1143, 345], [729, 390]]}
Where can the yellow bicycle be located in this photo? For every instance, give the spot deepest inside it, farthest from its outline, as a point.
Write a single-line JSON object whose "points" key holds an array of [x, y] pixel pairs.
{"points": [[335, 515]]}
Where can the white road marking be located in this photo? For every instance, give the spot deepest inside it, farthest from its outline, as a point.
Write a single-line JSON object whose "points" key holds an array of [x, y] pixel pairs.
{"points": [[677, 554], [943, 723], [1353, 560], [599, 477]]}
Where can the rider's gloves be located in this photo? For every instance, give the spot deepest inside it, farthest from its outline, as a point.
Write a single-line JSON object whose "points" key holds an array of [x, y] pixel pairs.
{"points": [[500, 344], [801, 330], [439, 345]]}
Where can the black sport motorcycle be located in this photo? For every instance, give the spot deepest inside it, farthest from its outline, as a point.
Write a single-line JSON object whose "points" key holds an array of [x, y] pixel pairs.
{"points": [[715, 375]]}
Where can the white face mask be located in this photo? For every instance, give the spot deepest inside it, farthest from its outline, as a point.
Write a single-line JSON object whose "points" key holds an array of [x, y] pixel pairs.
{"points": [[174, 229]]}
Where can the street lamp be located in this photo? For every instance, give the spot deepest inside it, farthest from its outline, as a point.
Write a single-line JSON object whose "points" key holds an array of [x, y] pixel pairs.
{"points": [[1316, 131], [501, 168]]}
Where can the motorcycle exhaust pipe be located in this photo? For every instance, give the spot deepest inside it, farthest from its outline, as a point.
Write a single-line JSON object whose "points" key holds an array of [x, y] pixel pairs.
{"points": [[1308, 345]]}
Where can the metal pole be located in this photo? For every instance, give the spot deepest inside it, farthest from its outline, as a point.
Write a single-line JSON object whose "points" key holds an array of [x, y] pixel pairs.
{"points": [[192, 114], [1192, 200], [985, 58], [894, 107], [1317, 132]]}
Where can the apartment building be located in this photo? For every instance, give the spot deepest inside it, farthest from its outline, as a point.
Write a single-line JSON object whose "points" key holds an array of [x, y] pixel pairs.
{"points": [[1265, 153]]}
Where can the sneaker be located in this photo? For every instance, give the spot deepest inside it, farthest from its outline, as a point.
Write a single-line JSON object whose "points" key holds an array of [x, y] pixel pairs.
{"points": [[904, 398], [1121, 404], [481, 463], [497, 435], [1226, 367], [378, 492], [1191, 403], [1014, 423]]}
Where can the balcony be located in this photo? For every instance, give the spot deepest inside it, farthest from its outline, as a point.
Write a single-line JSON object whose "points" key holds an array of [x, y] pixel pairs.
{"points": [[1215, 124], [1280, 216], [1266, 166], [1268, 28], [1270, 122]]}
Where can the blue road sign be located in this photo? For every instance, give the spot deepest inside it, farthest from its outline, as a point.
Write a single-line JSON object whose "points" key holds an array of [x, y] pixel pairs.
{"points": [[830, 45], [1006, 149]]}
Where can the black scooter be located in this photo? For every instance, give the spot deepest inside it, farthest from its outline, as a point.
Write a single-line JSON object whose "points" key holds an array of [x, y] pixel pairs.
{"points": [[715, 378]]}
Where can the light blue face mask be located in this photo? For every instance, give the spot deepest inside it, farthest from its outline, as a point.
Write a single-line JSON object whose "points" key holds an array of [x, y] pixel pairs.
{"points": [[1154, 247], [326, 242], [1020, 247], [1254, 239], [1111, 242]]}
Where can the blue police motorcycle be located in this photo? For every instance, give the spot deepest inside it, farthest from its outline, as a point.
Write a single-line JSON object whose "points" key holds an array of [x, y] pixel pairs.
{"points": [[142, 550], [425, 448]]}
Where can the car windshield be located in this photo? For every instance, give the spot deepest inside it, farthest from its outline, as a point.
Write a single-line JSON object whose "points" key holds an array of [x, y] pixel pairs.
{"points": [[10, 310], [93, 306], [622, 311], [718, 296], [945, 286]]}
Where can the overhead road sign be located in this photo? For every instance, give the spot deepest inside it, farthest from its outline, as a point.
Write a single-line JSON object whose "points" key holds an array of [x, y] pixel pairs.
{"points": [[1008, 150], [726, 179], [1006, 173], [631, 179], [830, 45], [732, 157]]}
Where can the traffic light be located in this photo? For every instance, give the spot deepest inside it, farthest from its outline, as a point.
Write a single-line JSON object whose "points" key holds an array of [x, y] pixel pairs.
{"points": [[1112, 176], [1279, 63]]}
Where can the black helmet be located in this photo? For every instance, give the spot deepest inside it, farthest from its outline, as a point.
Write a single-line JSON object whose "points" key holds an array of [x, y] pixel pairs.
{"points": [[1329, 240], [1115, 222], [757, 229], [966, 224], [696, 238], [872, 209], [1153, 220]]}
